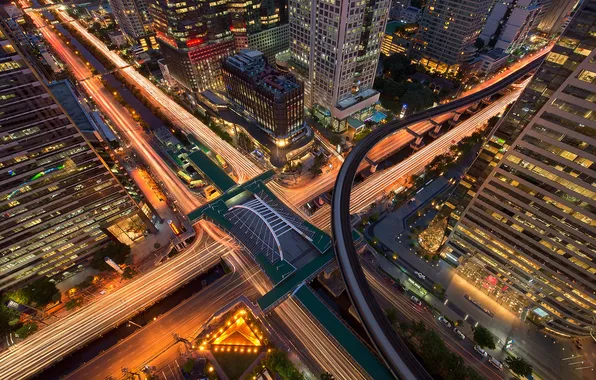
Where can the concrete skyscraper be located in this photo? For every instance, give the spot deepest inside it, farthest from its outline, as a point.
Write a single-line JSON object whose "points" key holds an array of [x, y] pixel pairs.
{"points": [[448, 31], [58, 199], [133, 18], [335, 48], [510, 22], [194, 36], [527, 233], [555, 16]]}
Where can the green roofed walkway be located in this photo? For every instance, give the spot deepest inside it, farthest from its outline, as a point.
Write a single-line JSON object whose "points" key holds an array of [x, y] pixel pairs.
{"points": [[216, 175], [344, 336], [276, 272], [291, 282]]}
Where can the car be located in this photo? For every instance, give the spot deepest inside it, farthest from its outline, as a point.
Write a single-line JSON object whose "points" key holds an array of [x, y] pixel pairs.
{"points": [[480, 351], [416, 300], [102, 292], [420, 275], [399, 287], [444, 321], [459, 334], [496, 363]]}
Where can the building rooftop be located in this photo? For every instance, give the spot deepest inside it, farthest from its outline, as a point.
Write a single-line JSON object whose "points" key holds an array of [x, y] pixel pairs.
{"points": [[63, 91], [496, 54], [254, 65], [392, 25], [354, 99]]}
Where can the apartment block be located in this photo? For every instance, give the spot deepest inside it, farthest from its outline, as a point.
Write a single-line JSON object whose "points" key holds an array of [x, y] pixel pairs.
{"points": [[525, 213]]}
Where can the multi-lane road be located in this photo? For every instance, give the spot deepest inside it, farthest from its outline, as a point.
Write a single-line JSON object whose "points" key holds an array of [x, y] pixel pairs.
{"points": [[66, 334], [244, 168], [373, 187], [129, 129], [390, 346]]}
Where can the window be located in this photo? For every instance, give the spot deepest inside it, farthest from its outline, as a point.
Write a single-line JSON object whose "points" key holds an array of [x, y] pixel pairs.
{"points": [[10, 65], [587, 76]]}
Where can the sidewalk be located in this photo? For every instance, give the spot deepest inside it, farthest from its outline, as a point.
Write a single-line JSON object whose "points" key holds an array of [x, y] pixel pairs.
{"points": [[546, 355]]}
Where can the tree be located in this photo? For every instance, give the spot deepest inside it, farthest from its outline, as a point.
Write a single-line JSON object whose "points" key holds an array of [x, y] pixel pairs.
{"points": [[129, 273], [484, 338], [391, 314], [117, 251], [326, 376], [519, 366], [26, 330], [42, 291], [188, 366], [278, 362], [72, 304]]}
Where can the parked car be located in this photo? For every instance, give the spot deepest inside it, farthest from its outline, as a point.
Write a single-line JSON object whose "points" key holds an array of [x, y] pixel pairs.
{"points": [[420, 275], [444, 321], [416, 300], [496, 363], [399, 287], [480, 351], [459, 334]]}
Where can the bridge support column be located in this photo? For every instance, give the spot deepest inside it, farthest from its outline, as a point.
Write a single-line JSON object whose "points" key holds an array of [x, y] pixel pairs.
{"points": [[417, 144], [455, 119], [436, 130]]}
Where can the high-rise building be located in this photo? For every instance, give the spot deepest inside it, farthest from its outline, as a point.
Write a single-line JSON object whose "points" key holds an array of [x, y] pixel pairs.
{"points": [[335, 49], [273, 99], [58, 199], [555, 16], [260, 25], [396, 8], [194, 36], [448, 31], [510, 22], [134, 20], [527, 233]]}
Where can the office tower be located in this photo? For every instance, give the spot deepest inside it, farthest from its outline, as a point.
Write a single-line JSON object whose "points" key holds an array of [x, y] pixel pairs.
{"points": [[555, 16], [510, 22], [527, 237], [194, 36], [132, 16], [335, 48], [58, 200], [398, 38], [274, 100], [396, 8], [448, 31], [260, 25]]}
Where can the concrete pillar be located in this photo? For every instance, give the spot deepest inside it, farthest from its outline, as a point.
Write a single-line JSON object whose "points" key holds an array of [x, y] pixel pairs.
{"points": [[435, 132], [417, 144]]}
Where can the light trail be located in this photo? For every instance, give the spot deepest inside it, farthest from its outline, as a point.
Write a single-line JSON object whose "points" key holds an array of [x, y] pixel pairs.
{"points": [[126, 126], [59, 339], [373, 187], [244, 168]]}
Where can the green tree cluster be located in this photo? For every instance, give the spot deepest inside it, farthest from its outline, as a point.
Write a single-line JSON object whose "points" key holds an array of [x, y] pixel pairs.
{"points": [[437, 358], [279, 363], [519, 366], [484, 338], [115, 250], [27, 329]]}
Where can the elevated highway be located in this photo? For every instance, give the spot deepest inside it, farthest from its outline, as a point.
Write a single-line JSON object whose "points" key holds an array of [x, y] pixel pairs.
{"points": [[392, 349]]}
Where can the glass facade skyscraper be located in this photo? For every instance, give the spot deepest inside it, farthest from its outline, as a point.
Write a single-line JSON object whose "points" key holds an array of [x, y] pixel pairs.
{"points": [[57, 197], [527, 233]]}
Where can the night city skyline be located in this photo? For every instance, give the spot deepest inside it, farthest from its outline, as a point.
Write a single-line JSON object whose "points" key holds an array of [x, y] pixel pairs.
{"points": [[298, 190]]}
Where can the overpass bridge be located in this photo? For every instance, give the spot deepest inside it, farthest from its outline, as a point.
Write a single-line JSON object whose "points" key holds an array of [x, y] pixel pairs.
{"points": [[392, 349], [289, 250]]}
